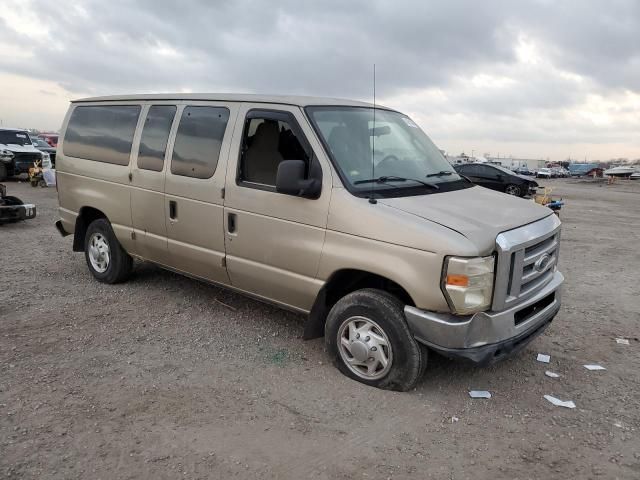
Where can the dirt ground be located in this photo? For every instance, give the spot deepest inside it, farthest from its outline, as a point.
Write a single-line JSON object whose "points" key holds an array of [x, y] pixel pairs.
{"points": [[166, 377]]}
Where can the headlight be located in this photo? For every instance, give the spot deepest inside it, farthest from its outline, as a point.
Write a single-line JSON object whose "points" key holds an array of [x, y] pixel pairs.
{"points": [[468, 283], [6, 154]]}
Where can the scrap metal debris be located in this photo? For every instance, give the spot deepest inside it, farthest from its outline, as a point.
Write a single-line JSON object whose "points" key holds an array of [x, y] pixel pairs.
{"points": [[560, 403], [594, 367], [551, 374], [543, 358], [479, 394]]}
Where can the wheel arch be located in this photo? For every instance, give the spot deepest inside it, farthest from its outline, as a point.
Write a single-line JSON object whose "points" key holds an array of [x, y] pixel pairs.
{"points": [[341, 283], [86, 215]]}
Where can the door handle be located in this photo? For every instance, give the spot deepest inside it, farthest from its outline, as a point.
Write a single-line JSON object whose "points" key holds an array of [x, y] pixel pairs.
{"points": [[232, 225], [173, 210]]}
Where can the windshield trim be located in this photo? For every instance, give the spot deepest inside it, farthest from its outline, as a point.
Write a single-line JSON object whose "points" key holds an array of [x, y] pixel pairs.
{"points": [[399, 191]]}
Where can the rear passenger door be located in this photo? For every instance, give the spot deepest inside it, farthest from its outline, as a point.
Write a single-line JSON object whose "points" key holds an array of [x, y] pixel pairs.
{"points": [[274, 241], [147, 180], [194, 189]]}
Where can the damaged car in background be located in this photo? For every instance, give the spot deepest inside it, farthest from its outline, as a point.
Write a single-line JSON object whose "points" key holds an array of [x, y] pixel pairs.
{"points": [[498, 178], [18, 154]]}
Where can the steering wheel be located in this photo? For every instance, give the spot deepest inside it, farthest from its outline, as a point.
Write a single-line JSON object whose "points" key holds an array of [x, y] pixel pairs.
{"points": [[387, 159]]}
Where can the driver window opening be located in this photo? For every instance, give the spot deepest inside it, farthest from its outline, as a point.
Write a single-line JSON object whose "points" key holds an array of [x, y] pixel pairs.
{"points": [[266, 143]]}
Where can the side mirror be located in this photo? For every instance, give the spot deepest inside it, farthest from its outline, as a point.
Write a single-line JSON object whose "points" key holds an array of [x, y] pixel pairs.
{"points": [[290, 180]]}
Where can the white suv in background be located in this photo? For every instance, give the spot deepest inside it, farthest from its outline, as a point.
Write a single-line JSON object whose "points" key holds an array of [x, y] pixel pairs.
{"points": [[544, 173]]}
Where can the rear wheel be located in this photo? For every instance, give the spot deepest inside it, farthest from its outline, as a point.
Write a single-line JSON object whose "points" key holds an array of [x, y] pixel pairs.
{"points": [[3, 172], [368, 337], [106, 259], [512, 189]]}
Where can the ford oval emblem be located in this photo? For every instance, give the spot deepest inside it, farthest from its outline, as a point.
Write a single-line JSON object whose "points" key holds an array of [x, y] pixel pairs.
{"points": [[542, 263]]}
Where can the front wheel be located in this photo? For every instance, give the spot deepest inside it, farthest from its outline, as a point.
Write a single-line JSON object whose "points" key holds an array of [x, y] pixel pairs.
{"points": [[368, 337], [106, 259], [512, 189]]}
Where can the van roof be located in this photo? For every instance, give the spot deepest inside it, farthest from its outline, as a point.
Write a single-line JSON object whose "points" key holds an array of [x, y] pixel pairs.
{"points": [[301, 101]]}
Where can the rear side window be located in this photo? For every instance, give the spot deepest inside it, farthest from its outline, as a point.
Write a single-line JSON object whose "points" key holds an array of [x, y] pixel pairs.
{"points": [[155, 134], [103, 133], [198, 141]]}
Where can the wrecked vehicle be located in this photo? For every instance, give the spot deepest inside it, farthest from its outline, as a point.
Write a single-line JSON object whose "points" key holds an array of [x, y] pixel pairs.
{"points": [[18, 154], [335, 209], [12, 209]]}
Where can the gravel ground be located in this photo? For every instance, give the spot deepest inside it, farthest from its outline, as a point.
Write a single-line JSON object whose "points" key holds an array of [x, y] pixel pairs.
{"points": [[166, 377]]}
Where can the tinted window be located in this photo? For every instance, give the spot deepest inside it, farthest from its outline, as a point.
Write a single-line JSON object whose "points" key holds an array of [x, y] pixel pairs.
{"points": [[266, 143], [9, 137], [155, 133], [469, 169], [103, 133], [488, 172], [198, 141]]}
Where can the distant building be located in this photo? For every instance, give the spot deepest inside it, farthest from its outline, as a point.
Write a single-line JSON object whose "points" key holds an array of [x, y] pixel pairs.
{"points": [[507, 162], [514, 163]]}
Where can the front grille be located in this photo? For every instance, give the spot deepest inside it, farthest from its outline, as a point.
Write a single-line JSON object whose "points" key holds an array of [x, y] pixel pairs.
{"points": [[526, 260], [26, 157]]}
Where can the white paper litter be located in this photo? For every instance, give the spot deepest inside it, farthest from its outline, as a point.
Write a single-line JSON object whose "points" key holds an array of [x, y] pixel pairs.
{"points": [[479, 394], [622, 341], [594, 367], [454, 419], [551, 374], [543, 358], [560, 403]]}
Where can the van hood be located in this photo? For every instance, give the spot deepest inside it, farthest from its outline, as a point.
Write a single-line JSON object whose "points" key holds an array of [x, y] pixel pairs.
{"points": [[477, 213]]}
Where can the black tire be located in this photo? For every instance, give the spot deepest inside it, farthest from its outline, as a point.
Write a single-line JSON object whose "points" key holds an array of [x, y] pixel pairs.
{"points": [[120, 263], [513, 189], [408, 359], [3, 172]]}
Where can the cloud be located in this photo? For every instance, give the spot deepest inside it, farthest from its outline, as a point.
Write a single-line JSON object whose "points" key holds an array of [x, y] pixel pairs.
{"points": [[500, 72]]}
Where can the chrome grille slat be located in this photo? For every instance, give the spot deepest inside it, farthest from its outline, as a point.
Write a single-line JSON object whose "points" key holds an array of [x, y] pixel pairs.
{"points": [[517, 252], [532, 257]]}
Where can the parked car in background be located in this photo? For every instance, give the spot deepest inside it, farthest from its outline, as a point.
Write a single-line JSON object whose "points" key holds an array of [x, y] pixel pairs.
{"points": [[17, 153], [544, 173], [524, 171], [497, 178], [559, 172], [43, 146], [50, 138]]}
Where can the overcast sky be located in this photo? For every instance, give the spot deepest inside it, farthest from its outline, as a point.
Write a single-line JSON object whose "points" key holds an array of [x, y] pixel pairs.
{"points": [[545, 78]]}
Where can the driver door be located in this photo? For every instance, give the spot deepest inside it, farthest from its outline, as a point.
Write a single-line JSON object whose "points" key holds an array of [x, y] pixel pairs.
{"points": [[273, 241]]}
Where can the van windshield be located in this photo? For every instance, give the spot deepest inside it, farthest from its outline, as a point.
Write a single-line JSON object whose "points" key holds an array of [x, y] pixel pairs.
{"points": [[391, 156]]}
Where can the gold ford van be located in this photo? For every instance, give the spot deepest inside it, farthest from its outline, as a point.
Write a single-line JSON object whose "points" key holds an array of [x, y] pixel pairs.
{"points": [[335, 209]]}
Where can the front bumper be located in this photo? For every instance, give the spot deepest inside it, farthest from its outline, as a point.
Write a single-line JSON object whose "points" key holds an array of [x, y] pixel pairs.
{"points": [[12, 213], [486, 337]]}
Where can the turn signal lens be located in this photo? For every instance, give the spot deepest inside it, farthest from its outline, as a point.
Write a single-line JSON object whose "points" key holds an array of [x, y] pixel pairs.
{"points": [[458, 280]]}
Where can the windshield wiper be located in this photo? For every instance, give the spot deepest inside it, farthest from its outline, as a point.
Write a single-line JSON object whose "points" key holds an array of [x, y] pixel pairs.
{"points": [[441, 173], [387, 179]]}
